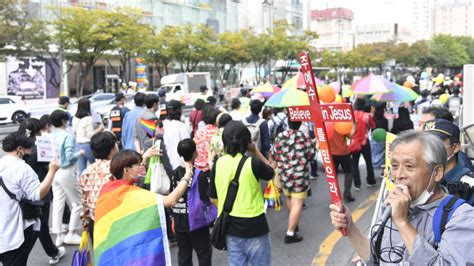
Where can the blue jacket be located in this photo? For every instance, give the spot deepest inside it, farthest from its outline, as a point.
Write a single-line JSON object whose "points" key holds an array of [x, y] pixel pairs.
{"points": [[65, 146], [128, 127], [264, 133]]}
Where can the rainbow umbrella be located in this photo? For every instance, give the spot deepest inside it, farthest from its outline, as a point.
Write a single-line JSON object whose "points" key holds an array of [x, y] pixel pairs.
{"points": [[297, 81], [372, 84], [398, 94], [287, 98], [266, 90]]}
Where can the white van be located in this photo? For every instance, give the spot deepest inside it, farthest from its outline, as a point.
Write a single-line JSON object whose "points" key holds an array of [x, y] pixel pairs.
{"points": [[185, 87]]}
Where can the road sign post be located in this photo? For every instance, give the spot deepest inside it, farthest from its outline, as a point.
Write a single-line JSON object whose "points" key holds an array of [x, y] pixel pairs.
{"points": [[318, 114]]}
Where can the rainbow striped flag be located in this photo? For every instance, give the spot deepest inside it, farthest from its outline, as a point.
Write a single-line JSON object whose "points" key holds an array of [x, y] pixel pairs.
{"points": [[130, 227], [149, 126]]}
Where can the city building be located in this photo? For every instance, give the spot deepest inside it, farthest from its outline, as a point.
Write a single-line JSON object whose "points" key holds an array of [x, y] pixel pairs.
{"points": [[261, 14], [383, 32], [454, 18], [422, 19], [218, 14], [334, 27]]}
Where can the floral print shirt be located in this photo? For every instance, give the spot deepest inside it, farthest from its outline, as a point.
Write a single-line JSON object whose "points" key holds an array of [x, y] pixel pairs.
{"points": [[203, 139], [293, 150]]}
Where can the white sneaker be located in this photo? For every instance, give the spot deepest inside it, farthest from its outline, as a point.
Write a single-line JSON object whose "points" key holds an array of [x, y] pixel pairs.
{"points": [[59, 240], [61, 253], [73, 239]]}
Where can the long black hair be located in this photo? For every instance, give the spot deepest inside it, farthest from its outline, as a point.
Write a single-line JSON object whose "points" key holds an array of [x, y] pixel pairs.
{"points": [[83, 108], [31, 127]]}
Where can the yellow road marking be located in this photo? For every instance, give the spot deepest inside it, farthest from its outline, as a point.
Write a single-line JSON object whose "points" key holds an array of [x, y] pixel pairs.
{"points": [[325, 249]]}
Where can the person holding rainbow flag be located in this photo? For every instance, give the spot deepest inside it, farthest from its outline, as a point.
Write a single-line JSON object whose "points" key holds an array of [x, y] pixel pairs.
{"points": [[130, 225]]}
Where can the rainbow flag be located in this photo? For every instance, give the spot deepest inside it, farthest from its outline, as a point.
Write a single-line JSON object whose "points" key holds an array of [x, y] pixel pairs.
{"points": [[149, 126], [130, 227]]}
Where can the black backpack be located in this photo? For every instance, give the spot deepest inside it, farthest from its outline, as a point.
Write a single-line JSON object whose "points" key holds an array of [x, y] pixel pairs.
{"points": [[277, 127]]}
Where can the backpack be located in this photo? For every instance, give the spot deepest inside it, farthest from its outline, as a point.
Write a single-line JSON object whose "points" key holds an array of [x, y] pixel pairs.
{"points": [[277, 127], [116, 119], [254, 129], [443, 214]]}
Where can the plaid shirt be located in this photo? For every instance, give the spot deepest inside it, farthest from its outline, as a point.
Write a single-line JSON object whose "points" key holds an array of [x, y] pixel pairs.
{"points": [[293, 150], [91, 181]]}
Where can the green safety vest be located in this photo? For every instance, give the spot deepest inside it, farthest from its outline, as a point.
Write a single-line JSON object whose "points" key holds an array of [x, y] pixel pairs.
{"points": [[249, 200]]}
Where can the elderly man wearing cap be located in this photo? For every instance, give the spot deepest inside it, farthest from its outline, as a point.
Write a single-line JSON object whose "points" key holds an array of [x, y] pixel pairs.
{"points": [[458, 177]]}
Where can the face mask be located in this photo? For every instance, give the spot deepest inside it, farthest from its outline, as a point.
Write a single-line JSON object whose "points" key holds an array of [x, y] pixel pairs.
{"points": [[424, 197]]}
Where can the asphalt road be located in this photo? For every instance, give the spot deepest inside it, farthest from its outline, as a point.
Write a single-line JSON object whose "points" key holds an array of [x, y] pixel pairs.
{"points": [[315, 226]]}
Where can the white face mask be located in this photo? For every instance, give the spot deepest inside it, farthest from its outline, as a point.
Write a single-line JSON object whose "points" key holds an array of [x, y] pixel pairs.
{"points": [[424, 197]]}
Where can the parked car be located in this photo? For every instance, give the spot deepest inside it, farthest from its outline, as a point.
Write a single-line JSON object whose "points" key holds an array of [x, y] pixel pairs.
{"points": [[97, 101], [13, 109]]}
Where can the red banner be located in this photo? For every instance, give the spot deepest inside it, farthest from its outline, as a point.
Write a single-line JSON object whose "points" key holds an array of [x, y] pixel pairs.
{"points": [[315, 112]]}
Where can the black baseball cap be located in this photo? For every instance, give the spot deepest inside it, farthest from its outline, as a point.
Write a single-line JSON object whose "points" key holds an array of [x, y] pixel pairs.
{"points": [[63, 100], [119, 96], [442, 128], [174, 105]]}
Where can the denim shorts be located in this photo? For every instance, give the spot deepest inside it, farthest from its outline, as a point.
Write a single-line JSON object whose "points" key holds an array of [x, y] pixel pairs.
{"points": [[242, 251]]}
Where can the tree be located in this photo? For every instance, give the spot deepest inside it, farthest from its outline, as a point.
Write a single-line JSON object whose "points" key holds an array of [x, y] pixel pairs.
{"points": [[87, 35], [228, 51], [130, 40], [288, 48], [13, 21], [189, 44], [259, 48], [468, 43], [158, 51], [447, 52]]}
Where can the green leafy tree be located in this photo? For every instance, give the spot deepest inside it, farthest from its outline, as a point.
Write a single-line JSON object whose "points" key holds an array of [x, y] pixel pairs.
{"points": [[448, 52], [189, 44], [228, 51], [288, 48], [131, 39], [158, 52], [13, 22], [468, 43], [86, 36], [260, 49]]}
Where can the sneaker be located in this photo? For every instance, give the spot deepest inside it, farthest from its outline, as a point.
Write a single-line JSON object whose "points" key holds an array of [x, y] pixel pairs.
{"points": [[73, 239], [305, 205], [371, 185], [349, 199], [313, 177], [357, 188], [293, 239], [59, 240], [61, 253]]}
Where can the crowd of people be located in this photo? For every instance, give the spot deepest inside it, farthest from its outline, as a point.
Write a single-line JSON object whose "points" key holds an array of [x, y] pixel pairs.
{"points": [[104, 181]]}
